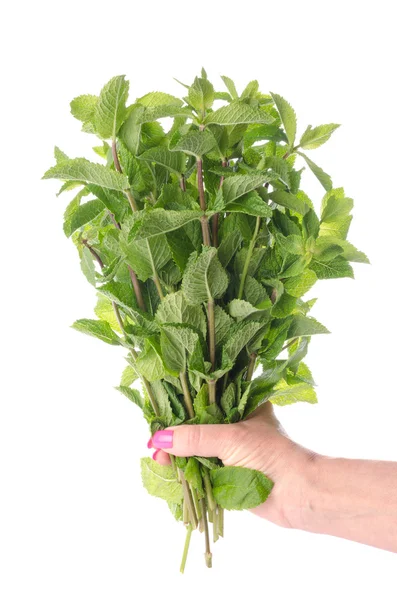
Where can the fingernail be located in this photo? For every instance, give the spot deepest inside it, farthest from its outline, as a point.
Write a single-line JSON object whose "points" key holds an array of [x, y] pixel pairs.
{"points": [[163, 439], [155, 454], [150, 443]]}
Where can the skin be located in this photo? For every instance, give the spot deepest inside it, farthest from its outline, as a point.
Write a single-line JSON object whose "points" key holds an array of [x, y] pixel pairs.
{"points": [[347, 498]]}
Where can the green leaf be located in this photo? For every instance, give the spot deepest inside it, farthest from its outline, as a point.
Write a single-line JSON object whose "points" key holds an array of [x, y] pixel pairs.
{"points": [[81, 169], [110, 110], [83, 108], [299, 285], [98, 329], [160, 112], [335, 206], [238, 185], [173, 161], [87, 265], [161, 481], [256, 294], [204, 278], [349, 252], [228, 399], [241, 309], [229, 246], [132, 395], [313, 138], [128, 376], [201, 94], [193, 475], [163, 402], [251, 204], [287, 115], [303, 326], [229, 83], [238, 488], [84, 214], [239, 338], [223, 323], [130, 132], [196, 143], [176, 343], [105, 312], [150, 365], [289, 201], [289, 394], [158, 99], [321, 175], [338, 267], [59, 155], [175, 309], [237, 113], [158, 221]]}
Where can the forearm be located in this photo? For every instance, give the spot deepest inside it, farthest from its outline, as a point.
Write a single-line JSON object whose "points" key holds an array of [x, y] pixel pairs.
{"points": [[352, 499]]}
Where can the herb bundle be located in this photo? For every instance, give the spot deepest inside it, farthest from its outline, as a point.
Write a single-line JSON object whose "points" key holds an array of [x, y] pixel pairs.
{"points": [[201, 243]]}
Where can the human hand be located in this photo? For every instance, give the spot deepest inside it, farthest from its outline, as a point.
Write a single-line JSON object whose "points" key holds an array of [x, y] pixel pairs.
{"points": [[260, 443]]}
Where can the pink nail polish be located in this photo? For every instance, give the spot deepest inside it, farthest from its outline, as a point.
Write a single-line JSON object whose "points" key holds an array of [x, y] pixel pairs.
{"points": [[163, 439], [155, 454], [150, 443]]}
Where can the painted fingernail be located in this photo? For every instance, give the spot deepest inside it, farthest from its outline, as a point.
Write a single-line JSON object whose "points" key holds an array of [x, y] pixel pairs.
{"points": [[155, 454], [163, 439], [150, 443]]}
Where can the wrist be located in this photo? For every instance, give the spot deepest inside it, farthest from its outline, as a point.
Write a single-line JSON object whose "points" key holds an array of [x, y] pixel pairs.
{"points": [[299, 489]]}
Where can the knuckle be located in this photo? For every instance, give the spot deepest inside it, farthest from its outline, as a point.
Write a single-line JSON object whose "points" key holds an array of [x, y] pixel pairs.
{"points": [[193, 439]]}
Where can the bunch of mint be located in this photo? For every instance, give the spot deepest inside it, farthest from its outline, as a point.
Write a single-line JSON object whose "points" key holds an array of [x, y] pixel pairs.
{"points": [[200, 244]]}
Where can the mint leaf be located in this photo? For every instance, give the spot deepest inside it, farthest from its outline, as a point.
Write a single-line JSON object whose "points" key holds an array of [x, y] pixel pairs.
{"points": [[159, 99], [84, 214], [160, 112], [237, 113], [161, 481], [289, 394], [338, 267], [238, 488], [87, 265], [238, 339], [81, 169], [250, 204], [98, 329], [299, 285], [196, 143], [150, 365], [201, 94], [287, 115], [229, 83], [83, 107], [313, 138], [303, 326], [238, 185], [130, 132], [132, 395], [175, 309], [173, 161], [193, 475], [110, 110], [176, 342], [204, 278], [158, 221], [289, 201], [321, 175]]}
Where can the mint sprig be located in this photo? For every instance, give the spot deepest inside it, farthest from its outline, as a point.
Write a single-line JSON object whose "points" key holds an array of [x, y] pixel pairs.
{"points": [[201, 244]]}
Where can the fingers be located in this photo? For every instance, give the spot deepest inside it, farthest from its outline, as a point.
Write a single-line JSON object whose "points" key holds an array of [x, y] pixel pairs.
{"points": [[161, 457], [196, 440]]}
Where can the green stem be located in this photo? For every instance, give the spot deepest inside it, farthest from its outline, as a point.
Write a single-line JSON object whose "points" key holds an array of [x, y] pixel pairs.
{"points": [[118, 168], [196, 502], [211, 331], [188, 500], [251, 366], [186, 394], [189, 530], [215, 527], [208, 489], [248, 258], [212, 391], [208, 555], [221, 514]]}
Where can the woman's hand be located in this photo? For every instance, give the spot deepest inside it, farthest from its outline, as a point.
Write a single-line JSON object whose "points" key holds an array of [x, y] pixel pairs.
{"points": [[258, 443]]}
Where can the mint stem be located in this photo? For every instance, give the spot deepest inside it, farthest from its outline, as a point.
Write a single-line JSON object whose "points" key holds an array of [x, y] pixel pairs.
{"points": [[186, 394], [248, 258], [189, 530], [208, 555], [251, 366], [215, 218]]}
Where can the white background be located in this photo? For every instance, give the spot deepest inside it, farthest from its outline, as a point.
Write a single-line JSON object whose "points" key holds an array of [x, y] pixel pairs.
{"points": [[74, 519]]}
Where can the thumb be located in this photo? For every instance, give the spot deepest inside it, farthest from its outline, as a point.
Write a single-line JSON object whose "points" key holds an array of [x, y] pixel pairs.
{"points": [[196, 440]]}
